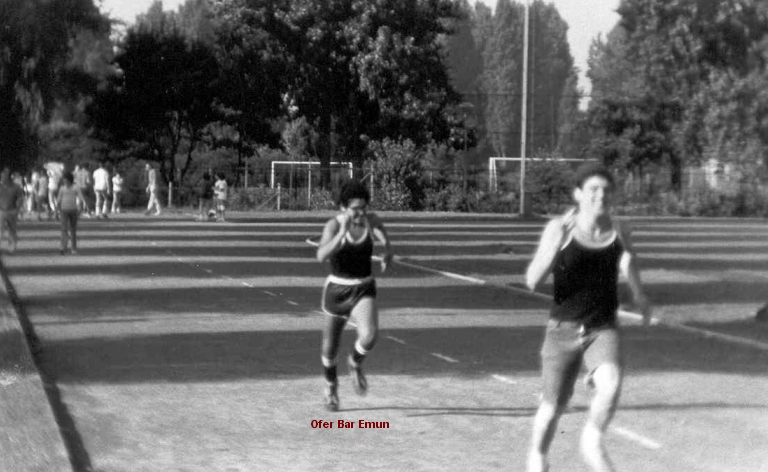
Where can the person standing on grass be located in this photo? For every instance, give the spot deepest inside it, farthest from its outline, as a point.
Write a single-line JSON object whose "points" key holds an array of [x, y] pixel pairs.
{"points": [[220, 189], [11, 202], [67, 200], [586, 250], [153, 190], [350, 289]]}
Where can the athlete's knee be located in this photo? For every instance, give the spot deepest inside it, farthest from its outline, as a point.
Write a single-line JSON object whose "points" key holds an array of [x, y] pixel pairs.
{"points": [[367, 338], [607, 381]]}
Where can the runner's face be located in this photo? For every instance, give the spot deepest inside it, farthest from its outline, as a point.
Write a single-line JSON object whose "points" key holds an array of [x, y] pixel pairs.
{"points": [[595, 195], [356, 209]]}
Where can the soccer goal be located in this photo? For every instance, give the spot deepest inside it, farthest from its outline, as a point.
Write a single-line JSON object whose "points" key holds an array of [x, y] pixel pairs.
{"points": [[500, 166], [307, 168]]}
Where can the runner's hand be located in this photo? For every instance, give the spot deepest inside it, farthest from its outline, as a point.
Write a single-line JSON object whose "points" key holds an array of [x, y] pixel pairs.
{"points": [[345, 222], [386, 261], [644, 307]]}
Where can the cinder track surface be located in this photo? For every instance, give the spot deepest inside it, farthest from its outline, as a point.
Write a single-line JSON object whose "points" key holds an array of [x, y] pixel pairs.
{"points": [[185, 346]]}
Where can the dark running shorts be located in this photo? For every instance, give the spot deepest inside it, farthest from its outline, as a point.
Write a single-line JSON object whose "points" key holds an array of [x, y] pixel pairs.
{"points": [[566, 346], [341, 295]]}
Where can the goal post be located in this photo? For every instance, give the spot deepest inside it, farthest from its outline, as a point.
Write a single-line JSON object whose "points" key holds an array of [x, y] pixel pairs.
{"points": [[493, 168], [308, 164]]}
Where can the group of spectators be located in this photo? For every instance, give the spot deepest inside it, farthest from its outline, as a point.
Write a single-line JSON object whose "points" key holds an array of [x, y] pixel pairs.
{"points": [[51, 192], [102, 192]]}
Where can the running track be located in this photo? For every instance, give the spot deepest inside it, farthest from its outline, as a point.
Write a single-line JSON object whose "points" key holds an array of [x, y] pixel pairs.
{"points": [[187, 346]]}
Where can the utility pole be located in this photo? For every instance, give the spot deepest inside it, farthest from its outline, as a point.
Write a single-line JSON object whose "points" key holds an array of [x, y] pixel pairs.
{"points": [[524, 111]]}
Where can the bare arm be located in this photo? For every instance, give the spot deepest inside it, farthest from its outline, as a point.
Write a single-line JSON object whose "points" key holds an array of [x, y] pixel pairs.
{"points": [[333, 235], [544, 257], [628, 269], [381, 235]]}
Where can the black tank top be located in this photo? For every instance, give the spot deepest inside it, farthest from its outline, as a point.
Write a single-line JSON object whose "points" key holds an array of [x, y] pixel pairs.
{"points": [[585, 283], [353, 259]]}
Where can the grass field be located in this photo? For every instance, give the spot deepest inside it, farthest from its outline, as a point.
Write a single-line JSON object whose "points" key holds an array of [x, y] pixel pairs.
{"points": [[185, 346]]}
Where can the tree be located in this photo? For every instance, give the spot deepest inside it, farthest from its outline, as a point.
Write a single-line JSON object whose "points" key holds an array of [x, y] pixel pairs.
{"points": [[38, 70], [360, 70], [253, 72], [693, 65], [550, 68], [164, 94]]}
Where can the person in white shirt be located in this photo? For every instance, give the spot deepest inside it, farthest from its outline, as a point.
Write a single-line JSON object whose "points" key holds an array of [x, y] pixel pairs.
{"points": [[101, 188], [220, 189], [153, 189], [117, 192]]}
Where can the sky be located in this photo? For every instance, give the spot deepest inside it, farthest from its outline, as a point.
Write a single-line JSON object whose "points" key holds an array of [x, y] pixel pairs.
{"points": [[585, 18]]}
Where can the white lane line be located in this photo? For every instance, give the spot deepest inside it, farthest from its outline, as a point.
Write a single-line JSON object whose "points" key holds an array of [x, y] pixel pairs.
{"points": [[504, 379], [623, 313], [397, 340], [290, 302], [246, 284], [269, 293], [444, 273], [445, 358], [647, 443]]}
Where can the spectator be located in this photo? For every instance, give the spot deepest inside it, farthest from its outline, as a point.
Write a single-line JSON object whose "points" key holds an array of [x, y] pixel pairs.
{"points": [[117, 192], [101, 188], [153, 189], [11, 201], [221, 190]]}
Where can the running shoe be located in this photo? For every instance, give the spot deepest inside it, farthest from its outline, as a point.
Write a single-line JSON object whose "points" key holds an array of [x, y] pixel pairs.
{"points": [[358, 379], [332, 397]]}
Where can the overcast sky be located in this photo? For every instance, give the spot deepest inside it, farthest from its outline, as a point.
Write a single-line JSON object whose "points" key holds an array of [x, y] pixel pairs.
{"points": [[585, 18]]}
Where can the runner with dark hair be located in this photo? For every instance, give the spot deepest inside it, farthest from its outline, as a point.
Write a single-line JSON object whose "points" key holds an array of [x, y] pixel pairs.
{"points": [[350, 289]]}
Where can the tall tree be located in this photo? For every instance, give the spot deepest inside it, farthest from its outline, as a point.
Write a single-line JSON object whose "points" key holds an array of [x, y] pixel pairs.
{"points": [[686, 61], [361, 70], [549, 71], [164, 94], [37, 68]]}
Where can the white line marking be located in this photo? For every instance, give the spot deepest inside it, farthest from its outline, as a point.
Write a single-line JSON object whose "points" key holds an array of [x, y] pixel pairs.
{"points": [[246, 284], [626, 314], [399, 341], [269, 293], [445, 358], [444, 273], [208, 271], [290, 302], [504, 379], [636, 437]]}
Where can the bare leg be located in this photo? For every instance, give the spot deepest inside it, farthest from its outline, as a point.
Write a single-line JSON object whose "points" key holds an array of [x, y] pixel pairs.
{"points": [[366, 315], [607, 382], [544, 426]]}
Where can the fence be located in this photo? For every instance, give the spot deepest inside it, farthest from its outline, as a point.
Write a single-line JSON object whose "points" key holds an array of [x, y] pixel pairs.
{"points": [[548, 183]]}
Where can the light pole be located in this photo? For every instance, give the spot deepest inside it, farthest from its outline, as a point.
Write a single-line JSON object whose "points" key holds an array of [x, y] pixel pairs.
{"points": [[524, 111]]}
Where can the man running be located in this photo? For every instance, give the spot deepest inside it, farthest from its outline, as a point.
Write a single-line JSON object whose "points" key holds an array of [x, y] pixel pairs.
{"points": [[350, 289], [586, 250]]}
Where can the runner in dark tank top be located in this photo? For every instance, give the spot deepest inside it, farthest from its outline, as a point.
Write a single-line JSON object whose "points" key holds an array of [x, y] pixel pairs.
{"points": [[586, 250], [350, 289]]}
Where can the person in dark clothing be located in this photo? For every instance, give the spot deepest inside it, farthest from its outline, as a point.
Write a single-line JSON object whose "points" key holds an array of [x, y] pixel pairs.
{"points": [[206, 196], [350, 289], [586, 250]]}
